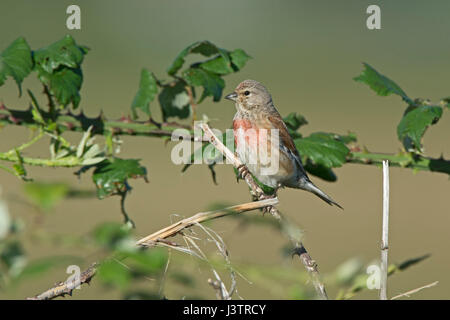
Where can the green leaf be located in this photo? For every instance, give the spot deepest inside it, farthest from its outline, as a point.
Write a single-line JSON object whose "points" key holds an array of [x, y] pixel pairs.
{"points": [[59, 67], [64, 52], [239, 58], [413, 125], [174, 101], [293, 122], [111, 272], [46, 195], [323, 149], [381, 84], [147, 91], [16, 62], [409, 263], [204, 48], [320, 171], [446, 102], [224, 62], [12, 255], [212, 84], [40, 266], [351, 137], [218, 65], [210, 155], [64, 84], [148, 261], [111, 235], [110, 176]]}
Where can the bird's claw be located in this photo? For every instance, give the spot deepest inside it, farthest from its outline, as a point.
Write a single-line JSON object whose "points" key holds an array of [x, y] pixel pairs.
{"points": [[265, 197], [243, 171]]}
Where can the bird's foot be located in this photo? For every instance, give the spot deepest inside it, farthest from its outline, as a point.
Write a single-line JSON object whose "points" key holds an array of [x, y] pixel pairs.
{"points": [[265, 197], [243, 171]]}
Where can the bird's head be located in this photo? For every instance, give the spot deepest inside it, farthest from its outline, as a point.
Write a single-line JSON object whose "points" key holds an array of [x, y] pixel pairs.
{"points": [[250, 95]]}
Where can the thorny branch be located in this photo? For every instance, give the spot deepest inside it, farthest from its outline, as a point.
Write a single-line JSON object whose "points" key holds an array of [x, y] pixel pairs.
{"points": [[66, 288]]}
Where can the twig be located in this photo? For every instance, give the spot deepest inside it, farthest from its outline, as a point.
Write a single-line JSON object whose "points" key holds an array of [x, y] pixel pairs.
{"points": [[63, 288], [310, 265], [408, 293], [217, 286], [312, 268], [201, 217], [385, 232]]}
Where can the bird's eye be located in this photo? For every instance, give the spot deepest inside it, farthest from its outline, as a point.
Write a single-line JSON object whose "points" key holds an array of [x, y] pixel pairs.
{"points": [[247, 93]]}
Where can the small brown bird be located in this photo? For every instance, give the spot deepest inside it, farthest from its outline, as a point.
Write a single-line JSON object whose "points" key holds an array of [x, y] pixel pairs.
{"points": [[256, 111]]}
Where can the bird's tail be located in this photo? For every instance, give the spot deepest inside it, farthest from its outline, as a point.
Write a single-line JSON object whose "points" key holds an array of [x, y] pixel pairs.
{"points": [[309, 186]]}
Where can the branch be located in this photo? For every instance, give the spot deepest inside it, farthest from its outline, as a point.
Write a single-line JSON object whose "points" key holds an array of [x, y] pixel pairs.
{"points": [[404, 160], [407, 294], [63, 288], [100, 125], [385, 232], [127, 126], [310, 265], [201, 217]]}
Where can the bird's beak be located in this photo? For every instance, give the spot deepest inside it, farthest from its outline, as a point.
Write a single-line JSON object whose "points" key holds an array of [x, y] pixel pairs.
{"points": [[232, 96]]}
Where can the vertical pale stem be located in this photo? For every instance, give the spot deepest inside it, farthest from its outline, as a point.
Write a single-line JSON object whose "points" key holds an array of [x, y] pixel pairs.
{"points": [[384, 239]]}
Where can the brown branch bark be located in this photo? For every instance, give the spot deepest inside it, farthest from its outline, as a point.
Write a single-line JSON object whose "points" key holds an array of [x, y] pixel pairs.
{"points": [[66, 288]]}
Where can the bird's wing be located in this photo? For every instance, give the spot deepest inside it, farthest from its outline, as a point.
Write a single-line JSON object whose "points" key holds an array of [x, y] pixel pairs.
{"points": [[286, 143]]}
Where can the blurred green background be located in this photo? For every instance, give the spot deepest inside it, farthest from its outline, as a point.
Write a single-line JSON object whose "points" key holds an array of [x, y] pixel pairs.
{"points": [[306, 53]]}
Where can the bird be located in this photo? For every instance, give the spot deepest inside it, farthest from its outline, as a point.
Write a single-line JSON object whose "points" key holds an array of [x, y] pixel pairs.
{"points": [[256, 111]]}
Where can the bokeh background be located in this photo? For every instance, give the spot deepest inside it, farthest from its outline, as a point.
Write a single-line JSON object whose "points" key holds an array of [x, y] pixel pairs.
{"points": [[306, 53]]}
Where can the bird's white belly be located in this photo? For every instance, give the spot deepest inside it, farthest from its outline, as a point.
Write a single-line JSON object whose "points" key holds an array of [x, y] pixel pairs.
{"points": [[268, 170]]}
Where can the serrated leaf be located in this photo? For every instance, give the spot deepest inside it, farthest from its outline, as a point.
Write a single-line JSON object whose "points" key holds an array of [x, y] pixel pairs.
{"points": [[320, 171], [212, 84], [350, 137], [174, 101], [381, 84], [110, 176], [323, 149], [147, 91], [293, 122], [46, 195], [58, 67], [204, 48], [218, 65], [16, 62], [64, 84], [239, 58], [413, 125], [64, 52]]}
